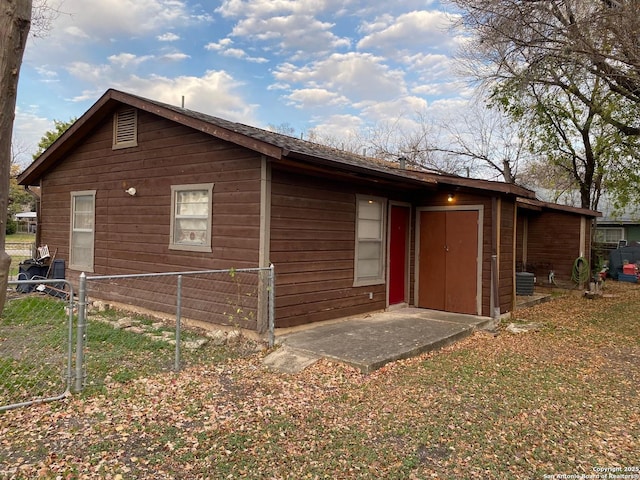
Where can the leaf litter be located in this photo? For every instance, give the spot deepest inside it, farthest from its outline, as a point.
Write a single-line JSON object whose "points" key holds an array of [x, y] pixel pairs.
{"points": [[561, 399]]}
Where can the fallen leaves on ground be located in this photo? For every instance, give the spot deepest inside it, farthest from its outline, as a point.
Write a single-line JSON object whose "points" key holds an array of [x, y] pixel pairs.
{"points": [[560, 400]]}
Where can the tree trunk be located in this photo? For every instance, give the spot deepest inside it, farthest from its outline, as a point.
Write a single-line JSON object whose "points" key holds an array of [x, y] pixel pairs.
{"points": [[15, 21]]}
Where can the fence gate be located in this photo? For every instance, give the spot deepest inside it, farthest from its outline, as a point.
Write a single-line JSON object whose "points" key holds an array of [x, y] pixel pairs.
{"points": [[36, 343]]}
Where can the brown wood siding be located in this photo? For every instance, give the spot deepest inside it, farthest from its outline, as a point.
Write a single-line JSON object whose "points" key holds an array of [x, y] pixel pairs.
{"points": [[520, 226], [553, 243], [506, 276], [312, 247], [132, 232]]}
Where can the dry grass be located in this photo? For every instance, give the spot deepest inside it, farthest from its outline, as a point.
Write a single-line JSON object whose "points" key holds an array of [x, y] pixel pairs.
{"points": [[562, 400]]}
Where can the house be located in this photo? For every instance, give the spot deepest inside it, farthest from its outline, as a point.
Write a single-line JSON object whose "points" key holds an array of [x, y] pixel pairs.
{"points": [[27, 222], [137, 186]]}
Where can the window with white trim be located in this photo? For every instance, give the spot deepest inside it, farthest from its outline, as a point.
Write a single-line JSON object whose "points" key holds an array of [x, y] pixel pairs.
{"points": [[609, 234], [125, 128], [370, 235], [191, 217], [81, 243]]}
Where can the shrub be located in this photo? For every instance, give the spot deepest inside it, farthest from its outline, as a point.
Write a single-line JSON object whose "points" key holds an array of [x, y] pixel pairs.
{"points": [[12, 226]]}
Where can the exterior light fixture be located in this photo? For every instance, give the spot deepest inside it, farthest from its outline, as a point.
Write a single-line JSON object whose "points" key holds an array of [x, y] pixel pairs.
{"points": [[450, 197], [131, 191]]}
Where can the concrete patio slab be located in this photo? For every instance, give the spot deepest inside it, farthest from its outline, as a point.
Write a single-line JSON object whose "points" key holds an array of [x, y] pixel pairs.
{"points": [[370, 342]]}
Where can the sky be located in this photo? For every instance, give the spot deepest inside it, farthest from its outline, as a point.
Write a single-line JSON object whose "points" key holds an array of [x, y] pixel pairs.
{"points": [[329, 66]]}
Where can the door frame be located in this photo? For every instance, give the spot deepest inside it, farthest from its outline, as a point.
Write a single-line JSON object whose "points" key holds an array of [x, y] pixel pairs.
{"points": [[480, 210], [407, 261]]}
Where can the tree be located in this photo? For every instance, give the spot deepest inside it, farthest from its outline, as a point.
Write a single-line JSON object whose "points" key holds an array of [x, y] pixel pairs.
{"points": [[577, 144], [490, 144], [569, 71], [528, 40], [51, 136], [19, 199], [15, 22]]}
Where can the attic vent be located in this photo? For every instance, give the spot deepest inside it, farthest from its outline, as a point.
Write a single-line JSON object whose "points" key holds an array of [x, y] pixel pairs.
{"points": [[125, 128]]}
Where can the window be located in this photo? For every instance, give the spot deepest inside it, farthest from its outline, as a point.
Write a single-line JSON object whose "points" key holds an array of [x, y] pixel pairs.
{"points": [[370, 228], [609, 235], [191, 217], [125, 128], [83, 209]]}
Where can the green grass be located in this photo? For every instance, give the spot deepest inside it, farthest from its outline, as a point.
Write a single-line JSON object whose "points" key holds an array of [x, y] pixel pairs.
{"points": [[17, 259], [21, 238], [558, 401], [33, 349], [34, 334]]}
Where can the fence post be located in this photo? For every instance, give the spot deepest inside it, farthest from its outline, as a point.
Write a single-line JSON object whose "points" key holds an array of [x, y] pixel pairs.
{"points": [[176, 365], [272, 304], [80, 337]]}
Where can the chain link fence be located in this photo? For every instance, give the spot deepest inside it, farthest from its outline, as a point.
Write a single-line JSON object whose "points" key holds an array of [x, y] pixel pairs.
{"points": [[123, 327], [135, 323], [36, 343]]}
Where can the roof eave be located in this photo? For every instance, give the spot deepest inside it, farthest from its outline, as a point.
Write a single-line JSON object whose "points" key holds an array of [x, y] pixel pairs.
{"points": [[538, 204]]}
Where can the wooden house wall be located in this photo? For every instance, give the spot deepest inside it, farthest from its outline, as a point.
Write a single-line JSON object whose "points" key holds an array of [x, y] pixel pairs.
{"points": [[132, 232], [520, 227], [312, 246], [506, 255], [554, 243]]}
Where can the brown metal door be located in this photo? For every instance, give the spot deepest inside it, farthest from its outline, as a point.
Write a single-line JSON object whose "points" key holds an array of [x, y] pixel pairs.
{"points": [[448, 260]]}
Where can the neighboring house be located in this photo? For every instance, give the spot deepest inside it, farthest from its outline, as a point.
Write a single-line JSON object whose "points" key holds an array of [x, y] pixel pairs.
{"points": [[612, 232], [347, 234], [27, 222], [615, 230]]}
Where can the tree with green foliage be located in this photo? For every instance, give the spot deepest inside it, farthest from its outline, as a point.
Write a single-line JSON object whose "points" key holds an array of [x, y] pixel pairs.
{"points": [[581, 149], [528, 40], [51, 136], [569, 71]]}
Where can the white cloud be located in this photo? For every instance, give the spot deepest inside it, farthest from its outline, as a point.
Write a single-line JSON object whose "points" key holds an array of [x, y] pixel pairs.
{"points": [[242, 55], [223, 47], [127, 60], [175, 56], [292, 33], [340, 131], [215, 93], [315, 97], [403, 107], [360, 77], [108, 18], [221, 44], [168, 37], [47, 75], [90, 73], [267, 8], [293, 27], [76, 31], [279, 86], [83, 24], [414, 30], [29, 128]]}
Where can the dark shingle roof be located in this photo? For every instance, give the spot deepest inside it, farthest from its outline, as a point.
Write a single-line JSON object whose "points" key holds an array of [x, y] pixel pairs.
{"points": [[276, 145]]}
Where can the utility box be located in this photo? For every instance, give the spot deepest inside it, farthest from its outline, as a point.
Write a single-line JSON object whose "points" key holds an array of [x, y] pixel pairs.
{"points": [[524, 283]]}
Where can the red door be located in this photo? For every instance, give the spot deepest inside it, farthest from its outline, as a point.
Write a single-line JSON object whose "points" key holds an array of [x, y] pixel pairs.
{"points": [[448, 267], [399, 236]]}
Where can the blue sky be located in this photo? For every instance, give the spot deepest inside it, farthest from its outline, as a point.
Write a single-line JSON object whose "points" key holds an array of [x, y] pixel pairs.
{"points": [[329, 66]]}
